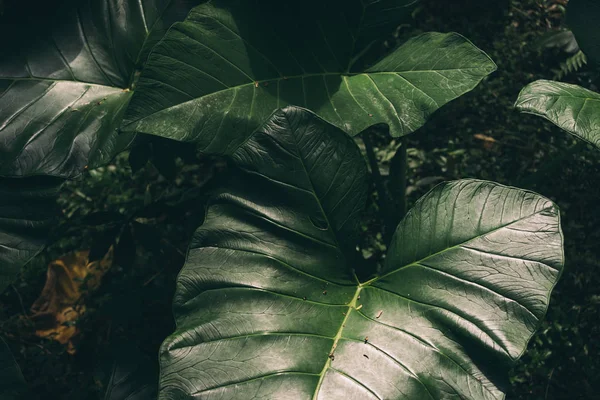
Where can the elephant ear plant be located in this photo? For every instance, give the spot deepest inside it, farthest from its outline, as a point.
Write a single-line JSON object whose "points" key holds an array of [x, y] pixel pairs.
{"points": [[216, 77], [65, 81], [70, 98], [571, 107], [269, 304], [273, 301]]}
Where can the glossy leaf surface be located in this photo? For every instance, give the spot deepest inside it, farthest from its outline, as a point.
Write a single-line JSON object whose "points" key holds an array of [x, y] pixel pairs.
{"points": [[218, 75], [582, 18], [571, 107], [64, 82], [12, 382], [27, 212], [268, 307]]}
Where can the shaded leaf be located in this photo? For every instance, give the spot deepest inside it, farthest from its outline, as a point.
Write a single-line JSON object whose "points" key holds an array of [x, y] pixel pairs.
{"points": [[27, 213], [65, 82], [267, 304], [572, 64], [12, 382], [570, 107], [218, 75], [563, 40]]}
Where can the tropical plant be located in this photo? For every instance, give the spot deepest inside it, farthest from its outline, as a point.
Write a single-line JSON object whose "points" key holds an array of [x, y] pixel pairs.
{"points": [[274, 301], [211, 80], [571, 107], [65, 81]]}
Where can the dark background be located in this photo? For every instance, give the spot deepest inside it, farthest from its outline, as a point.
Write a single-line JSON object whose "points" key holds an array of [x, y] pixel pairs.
{"points": [[154, 210]]}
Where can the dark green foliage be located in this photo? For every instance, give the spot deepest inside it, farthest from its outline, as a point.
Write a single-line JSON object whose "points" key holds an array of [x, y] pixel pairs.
{"points": [[12, 383], [133, 375], [270, 281], [150, 216], [133, 303], [563, 359]]}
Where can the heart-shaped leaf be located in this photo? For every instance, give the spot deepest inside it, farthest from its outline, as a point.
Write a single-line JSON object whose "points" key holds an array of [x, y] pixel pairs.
{"points": [[218, 75], [27, 212], [65, 82], [571, 107], [12, 383], [268, 305]]}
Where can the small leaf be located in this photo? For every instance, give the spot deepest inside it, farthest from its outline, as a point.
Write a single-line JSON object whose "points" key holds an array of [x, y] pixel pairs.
{"points": [[570, 107]]}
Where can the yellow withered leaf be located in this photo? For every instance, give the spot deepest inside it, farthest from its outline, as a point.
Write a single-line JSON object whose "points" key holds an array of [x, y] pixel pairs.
{"points": [[68, 280]]}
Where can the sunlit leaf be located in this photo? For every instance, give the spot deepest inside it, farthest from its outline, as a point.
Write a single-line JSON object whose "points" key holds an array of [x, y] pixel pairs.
{"points": [[268, 304], [65, 82], [571, 107], [218, 75]]}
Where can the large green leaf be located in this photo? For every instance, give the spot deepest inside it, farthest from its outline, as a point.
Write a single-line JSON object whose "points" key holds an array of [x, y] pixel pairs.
{"points": [[27, 212], [268, 306], [571, 107], [12, 382], [65, 80], [218, 75], [583, 17]]}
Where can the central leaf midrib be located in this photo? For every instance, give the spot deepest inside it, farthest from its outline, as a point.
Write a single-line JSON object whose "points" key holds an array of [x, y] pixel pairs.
{"points": [[257, 84], [352, 303], [336, 339]]}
